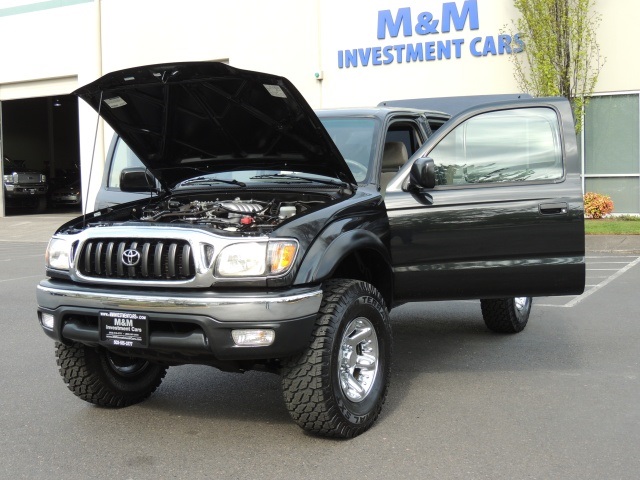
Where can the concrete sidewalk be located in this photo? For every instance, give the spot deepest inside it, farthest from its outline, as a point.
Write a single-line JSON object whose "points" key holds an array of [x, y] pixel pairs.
{"points": [[39, 228]]}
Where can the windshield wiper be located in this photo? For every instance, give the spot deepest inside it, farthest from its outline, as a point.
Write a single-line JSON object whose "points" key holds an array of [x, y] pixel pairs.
{"points": [[299, 177], [209, 180]]}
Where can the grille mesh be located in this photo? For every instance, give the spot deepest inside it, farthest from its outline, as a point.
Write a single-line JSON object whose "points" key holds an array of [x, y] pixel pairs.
{"points": [[156, 259], [28, 178]]}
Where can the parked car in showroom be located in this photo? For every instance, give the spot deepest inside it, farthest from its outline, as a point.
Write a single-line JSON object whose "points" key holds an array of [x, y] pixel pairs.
{"points": [[66, 195], [23, 188]]}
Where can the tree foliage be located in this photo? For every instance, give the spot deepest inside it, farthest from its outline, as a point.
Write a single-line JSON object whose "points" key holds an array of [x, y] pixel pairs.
{"points": [[561, 54]]}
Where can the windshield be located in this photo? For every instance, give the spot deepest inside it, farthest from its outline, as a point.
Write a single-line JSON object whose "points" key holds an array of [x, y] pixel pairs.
{"points": [[241, 178], [354, 137]]}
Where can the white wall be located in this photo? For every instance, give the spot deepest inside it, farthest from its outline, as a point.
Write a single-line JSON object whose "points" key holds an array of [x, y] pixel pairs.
{"points": [[278, 37], [45, 44], [616, 37]]}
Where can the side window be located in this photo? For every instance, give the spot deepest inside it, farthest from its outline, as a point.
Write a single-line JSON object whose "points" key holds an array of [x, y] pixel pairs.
{"points": [[123, 157], [401, 141], [436, 123], [518, 145], [405, 133]]}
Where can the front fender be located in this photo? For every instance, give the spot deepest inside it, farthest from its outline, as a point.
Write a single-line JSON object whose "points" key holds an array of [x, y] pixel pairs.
{"points": [[335, 245]]}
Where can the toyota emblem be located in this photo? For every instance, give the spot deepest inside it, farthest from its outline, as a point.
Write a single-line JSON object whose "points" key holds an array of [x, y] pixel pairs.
{"points": [[130, 257]]}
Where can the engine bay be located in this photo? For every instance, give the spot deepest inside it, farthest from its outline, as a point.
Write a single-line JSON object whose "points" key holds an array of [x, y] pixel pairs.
{"points": [[259, 212], [234, 215]]}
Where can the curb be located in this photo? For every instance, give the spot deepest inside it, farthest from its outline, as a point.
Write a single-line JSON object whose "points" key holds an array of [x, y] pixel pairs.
{"points": [[613, 244]]}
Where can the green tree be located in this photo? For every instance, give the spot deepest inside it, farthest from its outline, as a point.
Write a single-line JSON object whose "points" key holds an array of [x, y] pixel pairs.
{"points": [[561, 55]]}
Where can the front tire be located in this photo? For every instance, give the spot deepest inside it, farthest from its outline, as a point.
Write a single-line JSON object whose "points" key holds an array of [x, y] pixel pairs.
{"points": [[104, 378], [506, 315], [337, 386]]}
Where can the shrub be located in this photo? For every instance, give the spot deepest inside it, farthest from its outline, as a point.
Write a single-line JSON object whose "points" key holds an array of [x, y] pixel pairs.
{"points": [[597, 205]]}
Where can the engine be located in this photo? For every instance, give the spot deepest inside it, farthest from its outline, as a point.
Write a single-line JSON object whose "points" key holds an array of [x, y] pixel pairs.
{"points": [[231, 215]]}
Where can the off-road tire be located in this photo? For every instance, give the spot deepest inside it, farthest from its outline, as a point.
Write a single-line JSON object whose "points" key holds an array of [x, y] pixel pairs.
{"points": [[311, 381], [506, 315], [102, 378]]}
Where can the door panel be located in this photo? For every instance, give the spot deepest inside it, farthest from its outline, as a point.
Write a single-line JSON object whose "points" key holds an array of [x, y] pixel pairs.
{"points": [[505, 218]]}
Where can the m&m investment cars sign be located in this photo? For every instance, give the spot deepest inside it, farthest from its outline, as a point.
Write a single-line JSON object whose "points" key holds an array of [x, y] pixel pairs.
{"points": [[425, 25]]}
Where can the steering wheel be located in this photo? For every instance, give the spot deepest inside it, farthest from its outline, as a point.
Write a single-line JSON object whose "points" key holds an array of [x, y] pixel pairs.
{"points": [[359, 171]]}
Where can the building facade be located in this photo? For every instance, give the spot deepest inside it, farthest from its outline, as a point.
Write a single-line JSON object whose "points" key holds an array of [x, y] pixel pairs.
{"points": [[338, 53]]}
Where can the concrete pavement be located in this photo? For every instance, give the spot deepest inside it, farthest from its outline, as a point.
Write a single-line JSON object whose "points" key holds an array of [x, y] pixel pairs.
{"points": [[39, 228], [558, 401], [32, 228]]}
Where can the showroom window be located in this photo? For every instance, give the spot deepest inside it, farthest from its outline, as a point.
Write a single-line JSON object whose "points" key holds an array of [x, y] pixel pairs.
{"points": [[612, 150]]}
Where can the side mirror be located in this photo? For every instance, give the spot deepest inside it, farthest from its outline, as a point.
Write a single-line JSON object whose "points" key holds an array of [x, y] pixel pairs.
{"points": [[136, 180], [423, 174]]}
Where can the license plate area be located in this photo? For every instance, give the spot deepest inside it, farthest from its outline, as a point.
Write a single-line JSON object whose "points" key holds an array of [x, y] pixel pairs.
{"points": [[124, 329]]}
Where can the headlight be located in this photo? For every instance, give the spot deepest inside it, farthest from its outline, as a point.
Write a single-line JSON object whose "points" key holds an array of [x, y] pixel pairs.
{"points": [[256, 259], [58, 255], [8, 178]]}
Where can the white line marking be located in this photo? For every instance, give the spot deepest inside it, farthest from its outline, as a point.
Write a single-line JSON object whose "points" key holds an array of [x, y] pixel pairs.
{"points": [[589, 289], [606, 263], [577, 300]]}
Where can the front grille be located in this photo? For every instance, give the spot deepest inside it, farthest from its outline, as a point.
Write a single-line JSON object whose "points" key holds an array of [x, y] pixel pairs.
{"points": [[148, 259], [27, 178]]}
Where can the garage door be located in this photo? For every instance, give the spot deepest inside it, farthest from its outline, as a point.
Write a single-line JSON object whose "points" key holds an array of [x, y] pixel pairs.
{"points": [[38, 88]]}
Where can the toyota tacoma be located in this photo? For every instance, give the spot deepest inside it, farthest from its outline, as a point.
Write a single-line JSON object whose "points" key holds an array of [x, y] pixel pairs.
{"points": [[272, 237]]}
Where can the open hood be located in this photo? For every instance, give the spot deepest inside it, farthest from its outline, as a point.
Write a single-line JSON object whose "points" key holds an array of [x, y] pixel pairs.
{"points": [[186, 119]]}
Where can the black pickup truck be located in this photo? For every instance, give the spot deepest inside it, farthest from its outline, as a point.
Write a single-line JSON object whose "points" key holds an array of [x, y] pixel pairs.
{"points": [[275, 238]]}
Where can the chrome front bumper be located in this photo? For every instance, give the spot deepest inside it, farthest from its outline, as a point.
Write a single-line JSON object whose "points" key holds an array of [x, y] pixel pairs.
{"points": [[272, 306], [206, 319]]}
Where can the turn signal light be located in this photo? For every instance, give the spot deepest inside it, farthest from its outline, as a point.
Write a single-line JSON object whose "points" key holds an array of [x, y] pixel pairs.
{"points": [[282, 255]]}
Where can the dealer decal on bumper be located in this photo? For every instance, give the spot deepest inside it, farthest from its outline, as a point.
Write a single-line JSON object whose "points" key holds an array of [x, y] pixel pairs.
{"points": [[124, 329]]}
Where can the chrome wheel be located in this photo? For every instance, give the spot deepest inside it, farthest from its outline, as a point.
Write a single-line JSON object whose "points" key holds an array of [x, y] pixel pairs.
{"points": [[337, 386], [358, 359], [522, 303]]}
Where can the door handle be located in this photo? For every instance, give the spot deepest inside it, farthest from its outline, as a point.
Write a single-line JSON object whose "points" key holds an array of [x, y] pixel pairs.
{"points": [[560, 208]]}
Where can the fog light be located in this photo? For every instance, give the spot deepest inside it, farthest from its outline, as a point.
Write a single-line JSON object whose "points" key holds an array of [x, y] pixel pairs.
{"points": [[253, 338], [47, 320]]}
